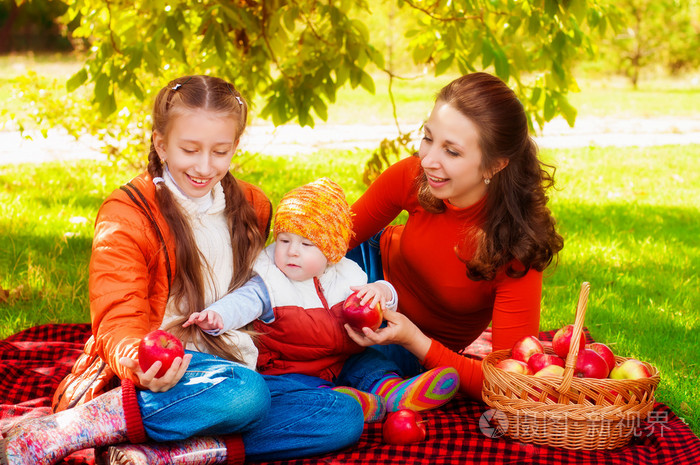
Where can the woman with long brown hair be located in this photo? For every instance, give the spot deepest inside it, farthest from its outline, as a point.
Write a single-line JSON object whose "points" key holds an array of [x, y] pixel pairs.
{"points": [[479, 233]]}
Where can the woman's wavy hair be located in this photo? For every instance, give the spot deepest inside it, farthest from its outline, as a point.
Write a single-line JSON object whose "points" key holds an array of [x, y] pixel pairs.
{"points": [[518, 225], [184, 94]]}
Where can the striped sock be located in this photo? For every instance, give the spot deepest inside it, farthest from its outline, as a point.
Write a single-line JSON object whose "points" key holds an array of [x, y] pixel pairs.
{"points": [[426, 391], [372, 405]]}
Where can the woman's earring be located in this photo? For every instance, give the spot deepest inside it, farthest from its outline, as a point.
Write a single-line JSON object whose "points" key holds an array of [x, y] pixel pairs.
{"points": [[487, 180]]}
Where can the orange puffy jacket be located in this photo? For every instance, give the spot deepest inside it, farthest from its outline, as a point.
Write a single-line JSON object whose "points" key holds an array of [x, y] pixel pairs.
{"points": [[131, 269]]}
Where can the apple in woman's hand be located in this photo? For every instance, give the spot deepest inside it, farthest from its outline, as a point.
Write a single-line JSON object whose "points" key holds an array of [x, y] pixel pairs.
{"points": [[160, 346], [403, 427], [360, 316]]}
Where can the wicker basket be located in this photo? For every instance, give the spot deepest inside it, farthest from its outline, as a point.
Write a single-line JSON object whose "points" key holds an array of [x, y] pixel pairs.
{"points": [[568, 412]]}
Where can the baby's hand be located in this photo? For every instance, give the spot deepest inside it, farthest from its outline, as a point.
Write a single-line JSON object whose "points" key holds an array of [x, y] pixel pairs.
{"points": [[208, 320], [374, 293]]}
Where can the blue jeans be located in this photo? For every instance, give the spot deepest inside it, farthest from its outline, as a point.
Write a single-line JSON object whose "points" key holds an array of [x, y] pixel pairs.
{"points": [[215, 396], [278, 417], [303, 420]]}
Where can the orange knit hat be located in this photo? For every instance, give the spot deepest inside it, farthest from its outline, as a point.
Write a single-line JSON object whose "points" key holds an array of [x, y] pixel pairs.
{"points": [[319, 212]]}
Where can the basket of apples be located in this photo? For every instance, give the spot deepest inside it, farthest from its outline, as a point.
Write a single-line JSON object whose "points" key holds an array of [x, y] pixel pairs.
{"points": [[569, 395]]}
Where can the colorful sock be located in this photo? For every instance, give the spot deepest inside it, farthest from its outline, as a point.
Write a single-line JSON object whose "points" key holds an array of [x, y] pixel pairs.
{"points": [[372, 406], [426, 391]]}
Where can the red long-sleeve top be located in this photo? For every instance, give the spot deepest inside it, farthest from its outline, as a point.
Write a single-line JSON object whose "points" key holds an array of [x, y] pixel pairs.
{"points": [[419, 259]]}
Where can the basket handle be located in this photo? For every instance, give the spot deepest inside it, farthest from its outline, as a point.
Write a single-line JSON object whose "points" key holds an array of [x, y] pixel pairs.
{"points": [[572, 357]]}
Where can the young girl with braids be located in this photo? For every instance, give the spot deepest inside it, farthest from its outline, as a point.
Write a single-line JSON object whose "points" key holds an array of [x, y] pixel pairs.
{"points": [[477, 239], [168, 244]]}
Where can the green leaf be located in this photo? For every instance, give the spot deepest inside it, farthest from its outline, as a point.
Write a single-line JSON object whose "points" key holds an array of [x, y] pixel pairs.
{"points": [[550, 108], [101, 87], [501, 65], [444, 64], [487, 55], [567, 110], [320, 108], [77, 80], [367, 82], [175, 33]]}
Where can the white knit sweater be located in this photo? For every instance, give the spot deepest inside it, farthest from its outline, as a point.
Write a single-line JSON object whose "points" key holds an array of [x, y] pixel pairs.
{"points": [[208, 221]]}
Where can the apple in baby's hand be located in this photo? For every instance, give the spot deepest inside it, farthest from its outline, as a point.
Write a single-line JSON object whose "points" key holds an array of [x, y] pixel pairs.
{"points": [[562, 341], [514, 366], [605, 352], [630, 369], [160, 346], [590, 365], [540, 361], [525, 347], [359, 316], [403, 427]]}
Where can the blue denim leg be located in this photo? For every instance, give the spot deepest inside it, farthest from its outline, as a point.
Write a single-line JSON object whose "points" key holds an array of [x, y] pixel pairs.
{"points": [[362, 370], [303, 421], [408, 364], [215, 396]]}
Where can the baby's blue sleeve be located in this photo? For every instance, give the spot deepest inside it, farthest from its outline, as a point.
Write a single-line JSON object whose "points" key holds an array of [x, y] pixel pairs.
{"points": [[242, 306]]}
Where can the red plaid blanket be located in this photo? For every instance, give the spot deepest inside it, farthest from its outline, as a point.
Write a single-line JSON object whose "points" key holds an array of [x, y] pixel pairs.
{"points": [[32, 363]]}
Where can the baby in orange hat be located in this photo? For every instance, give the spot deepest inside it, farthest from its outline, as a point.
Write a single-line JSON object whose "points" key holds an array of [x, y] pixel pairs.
{"points": [[302, 281], [295, 303]]}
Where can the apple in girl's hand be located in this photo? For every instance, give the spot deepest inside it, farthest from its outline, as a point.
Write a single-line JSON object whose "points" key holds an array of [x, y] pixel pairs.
{"points": [[514, 366], [540, 361], [403, 427], [359, 316], [562, 341], [160, 346], [630, 369], [605, 352], [525, 347], [590, 365]]}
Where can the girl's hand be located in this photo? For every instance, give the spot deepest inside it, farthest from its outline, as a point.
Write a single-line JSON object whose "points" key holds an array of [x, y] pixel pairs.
{"points": [[208, 320], [147, 380], [399, 330]]}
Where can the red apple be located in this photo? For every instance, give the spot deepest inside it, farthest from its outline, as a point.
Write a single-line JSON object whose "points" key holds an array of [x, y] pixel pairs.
{"points": [[160, 346], [525, 347], [630, 369], [562, 341], [539, 361], [403, 427], [514, 366], [590, 365], [605, 352], [551, 370], [359, 316]]}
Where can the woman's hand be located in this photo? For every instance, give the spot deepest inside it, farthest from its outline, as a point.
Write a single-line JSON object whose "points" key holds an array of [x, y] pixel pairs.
{"points": [[148, 380], [399, 330]]}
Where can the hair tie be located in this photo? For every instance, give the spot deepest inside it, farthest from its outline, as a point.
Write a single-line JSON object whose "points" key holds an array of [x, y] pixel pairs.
{"points": [[157, 179], [240, 102]]}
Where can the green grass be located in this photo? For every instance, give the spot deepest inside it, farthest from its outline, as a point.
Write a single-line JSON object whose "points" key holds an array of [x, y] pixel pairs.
{"points": [[630, 218]]}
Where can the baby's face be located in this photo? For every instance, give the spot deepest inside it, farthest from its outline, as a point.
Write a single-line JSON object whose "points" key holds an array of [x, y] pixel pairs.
{"points": [[298, 258]]}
